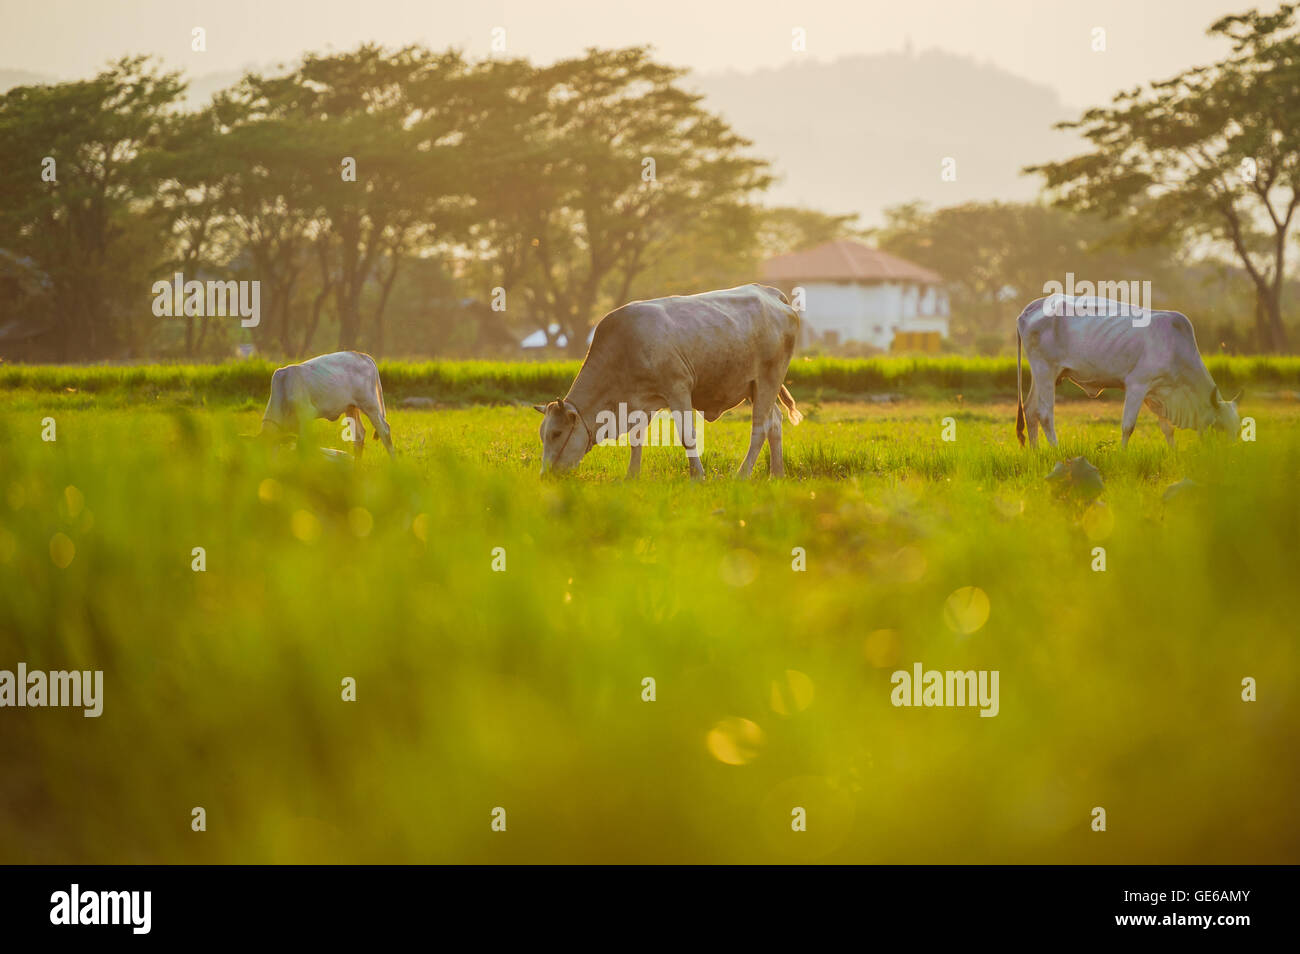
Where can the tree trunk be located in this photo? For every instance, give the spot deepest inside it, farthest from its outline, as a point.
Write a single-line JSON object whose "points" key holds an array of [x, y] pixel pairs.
{"points": [[349, 317], [310, 331], [387, 287], [1273, 314]]}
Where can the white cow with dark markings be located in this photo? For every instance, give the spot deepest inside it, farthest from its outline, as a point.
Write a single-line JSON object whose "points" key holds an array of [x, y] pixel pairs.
{"points": [[346, 382], [1098, 343], [706, 352]]}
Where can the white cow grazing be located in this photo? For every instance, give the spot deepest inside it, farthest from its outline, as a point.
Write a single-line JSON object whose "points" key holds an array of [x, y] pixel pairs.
{"points": [[708, 352], [346, 382], [1098, 343]]}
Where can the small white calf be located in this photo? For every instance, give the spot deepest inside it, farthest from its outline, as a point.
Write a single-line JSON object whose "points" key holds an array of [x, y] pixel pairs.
{"points": [[346, 382]]}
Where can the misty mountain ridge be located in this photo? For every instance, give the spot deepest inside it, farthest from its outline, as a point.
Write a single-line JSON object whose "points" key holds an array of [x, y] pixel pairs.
{"points": [[862, 133]]}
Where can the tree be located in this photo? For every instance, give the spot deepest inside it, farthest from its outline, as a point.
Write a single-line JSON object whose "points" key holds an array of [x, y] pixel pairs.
{"points": [[82, 229], [351, 165], [791, 229], [632, 163], [1212, 153], [195, 178], [394, 114]]}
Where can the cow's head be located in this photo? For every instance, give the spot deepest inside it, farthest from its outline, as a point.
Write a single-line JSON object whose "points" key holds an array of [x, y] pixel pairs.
{"points": [[1226, 417], [273, 432], [565, 436]]}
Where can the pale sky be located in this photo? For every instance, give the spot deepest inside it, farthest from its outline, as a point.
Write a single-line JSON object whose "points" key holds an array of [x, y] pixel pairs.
{"points": [[1047, 41]]}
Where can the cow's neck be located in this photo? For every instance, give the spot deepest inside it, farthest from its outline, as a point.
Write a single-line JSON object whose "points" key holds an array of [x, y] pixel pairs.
{"points": [[1186, 405], [596, 389]]}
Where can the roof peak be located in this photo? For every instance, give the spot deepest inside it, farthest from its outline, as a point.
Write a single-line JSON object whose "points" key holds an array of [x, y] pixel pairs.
{"points": [[845, 259]]}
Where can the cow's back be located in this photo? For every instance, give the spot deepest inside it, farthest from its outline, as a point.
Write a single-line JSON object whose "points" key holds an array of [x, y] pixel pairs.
{"points": [[1098, 347], [716, 330], [337, 381], [1106, 349], [711, 347]]}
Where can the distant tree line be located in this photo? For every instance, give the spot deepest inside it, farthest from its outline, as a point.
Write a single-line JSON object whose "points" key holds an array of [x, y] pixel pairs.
{"points": [[997, 256], [523, 197]]}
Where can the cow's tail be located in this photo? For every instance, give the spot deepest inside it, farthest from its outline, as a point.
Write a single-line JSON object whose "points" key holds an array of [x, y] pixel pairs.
{"points": [[798, 319], [1020, 394], [788, 400]]}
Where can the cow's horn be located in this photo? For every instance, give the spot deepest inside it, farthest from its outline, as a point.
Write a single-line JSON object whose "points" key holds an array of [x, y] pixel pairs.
{"points": [[1236, 397]]}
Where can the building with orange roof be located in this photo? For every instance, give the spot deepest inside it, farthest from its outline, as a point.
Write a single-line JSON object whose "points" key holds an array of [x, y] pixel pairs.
{"points": [[850, 292]]}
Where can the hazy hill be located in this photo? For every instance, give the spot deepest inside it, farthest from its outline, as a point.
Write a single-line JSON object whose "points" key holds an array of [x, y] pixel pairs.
{"points": [[862, 133]]}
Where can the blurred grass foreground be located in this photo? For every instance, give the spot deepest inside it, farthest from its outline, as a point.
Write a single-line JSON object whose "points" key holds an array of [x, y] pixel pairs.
{"points": [[642, 671]]}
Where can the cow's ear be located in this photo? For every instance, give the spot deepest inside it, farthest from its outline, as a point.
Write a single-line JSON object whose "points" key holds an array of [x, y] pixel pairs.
{"points": [[1216, 398], [539, 408]]}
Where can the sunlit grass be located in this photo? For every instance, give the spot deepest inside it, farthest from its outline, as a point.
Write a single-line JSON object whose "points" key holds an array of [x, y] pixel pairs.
{"points": [[523, 689], [488, 382]]}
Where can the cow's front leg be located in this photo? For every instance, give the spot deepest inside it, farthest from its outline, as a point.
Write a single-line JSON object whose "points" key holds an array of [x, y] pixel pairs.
{"points": [[638, 435], [683, 413], [1166, 426], [379, 421], [764, 399], [358, 431], [1133, 398], [775, 463], [1045, 407], [1031, 416]]}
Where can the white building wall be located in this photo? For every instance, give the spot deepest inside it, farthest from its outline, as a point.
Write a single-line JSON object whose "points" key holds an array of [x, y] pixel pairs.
{"points": [[872, 312], [929, 300]]}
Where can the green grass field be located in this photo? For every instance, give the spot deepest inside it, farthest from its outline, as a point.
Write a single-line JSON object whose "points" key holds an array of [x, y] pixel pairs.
{"points": [[470, 382], [522, 689]]}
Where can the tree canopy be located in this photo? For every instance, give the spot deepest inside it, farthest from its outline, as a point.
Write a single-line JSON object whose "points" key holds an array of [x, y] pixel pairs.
{"points": [[1211, 154]]}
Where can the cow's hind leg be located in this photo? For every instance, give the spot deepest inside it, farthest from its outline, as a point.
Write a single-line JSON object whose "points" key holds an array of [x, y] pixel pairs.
{"points": [[775, 463], [1047, 408], [764, 397], [1047, 417], [1041, 407], [1031, 415]]}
